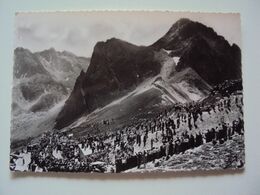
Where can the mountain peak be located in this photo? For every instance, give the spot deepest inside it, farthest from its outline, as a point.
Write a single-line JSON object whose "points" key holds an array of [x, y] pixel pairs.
{"points": [[181, 22], [182, 31], [113, 39], [21, 49], [113, 42]]}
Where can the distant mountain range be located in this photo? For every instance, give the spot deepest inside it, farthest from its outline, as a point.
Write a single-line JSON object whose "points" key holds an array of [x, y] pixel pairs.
{"points": [[41, 83], [124, 79]]}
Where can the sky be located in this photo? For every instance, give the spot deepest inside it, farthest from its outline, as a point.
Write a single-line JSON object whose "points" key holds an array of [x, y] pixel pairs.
{"points": [[78, 32]]}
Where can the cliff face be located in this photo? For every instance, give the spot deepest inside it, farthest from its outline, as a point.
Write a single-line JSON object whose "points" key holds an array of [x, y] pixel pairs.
{"points": [[214, 65], [118, 67]]}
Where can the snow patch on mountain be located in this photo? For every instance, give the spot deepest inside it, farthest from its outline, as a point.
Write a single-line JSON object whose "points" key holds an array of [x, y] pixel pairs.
{"points": [[176, 60]]}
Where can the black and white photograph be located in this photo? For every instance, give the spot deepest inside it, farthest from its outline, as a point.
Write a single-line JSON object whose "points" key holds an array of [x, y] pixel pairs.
{"points": [[127, 92]]}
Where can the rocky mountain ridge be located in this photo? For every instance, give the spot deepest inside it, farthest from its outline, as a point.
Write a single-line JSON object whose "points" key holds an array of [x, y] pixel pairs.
{"points": [[117, 67], [40, 85]]}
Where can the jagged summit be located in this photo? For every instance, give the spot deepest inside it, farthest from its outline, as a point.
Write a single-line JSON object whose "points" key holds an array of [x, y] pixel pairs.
{"points": [[201, 48], [26, 64]]}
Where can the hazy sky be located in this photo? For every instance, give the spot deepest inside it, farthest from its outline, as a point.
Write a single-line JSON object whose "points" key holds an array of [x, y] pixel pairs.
{"points": [[78, 32]]}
